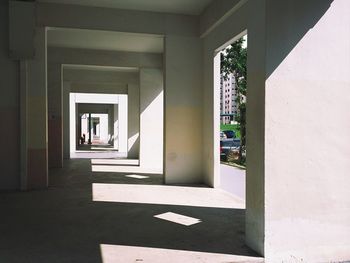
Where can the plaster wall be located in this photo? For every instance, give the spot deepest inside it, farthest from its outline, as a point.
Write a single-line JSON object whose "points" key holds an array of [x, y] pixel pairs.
{"points": [[122, 124], [9, 108], [183, 110], [151, 120], [307, 127], [134, 129]]}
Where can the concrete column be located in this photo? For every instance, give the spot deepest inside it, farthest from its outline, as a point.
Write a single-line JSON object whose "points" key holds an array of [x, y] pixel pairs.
{"points": [[298, 130], [37, 115], [151, 119], [307, 87], [76, 117], [72, 123], [90, 129], [55, 113], [110, 125], [66, 125], [133, 121], [79, 128], [24, 123], [183, 110], [116, 126], [255, 188], [123, 124]]}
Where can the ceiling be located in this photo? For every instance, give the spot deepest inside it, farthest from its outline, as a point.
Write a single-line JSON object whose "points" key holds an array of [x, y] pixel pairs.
{"points": [[104, 40], [188, 7]]}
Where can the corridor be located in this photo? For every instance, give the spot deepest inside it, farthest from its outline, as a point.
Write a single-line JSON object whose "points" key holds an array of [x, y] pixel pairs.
{"points": [[87, 216]]}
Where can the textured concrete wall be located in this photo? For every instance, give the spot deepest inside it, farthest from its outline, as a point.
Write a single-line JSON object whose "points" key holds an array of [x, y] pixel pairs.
{"points": [[9, 108], [183, 110], [307, 127], [151, 119]]}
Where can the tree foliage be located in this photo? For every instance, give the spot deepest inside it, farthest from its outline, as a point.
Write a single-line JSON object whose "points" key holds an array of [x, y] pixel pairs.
{"points": [[234, 60]]}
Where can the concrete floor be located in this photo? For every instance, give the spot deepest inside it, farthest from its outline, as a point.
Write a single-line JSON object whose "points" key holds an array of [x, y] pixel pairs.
{"points": [[75, 220]]}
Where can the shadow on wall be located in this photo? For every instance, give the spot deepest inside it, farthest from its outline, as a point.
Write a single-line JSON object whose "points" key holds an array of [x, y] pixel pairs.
{"points": [[298, 17]]}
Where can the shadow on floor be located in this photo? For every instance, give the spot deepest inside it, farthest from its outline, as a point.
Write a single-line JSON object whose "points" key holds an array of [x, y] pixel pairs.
{"points": [[63, 224]]}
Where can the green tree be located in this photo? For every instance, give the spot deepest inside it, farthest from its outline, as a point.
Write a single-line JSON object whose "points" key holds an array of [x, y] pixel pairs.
{"points": [[234, 60]]}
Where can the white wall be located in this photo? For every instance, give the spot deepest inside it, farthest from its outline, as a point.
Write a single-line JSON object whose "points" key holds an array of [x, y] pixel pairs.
{"points": [[134, 120], [122, 124], [151, 120], [307, 127], [183, 110]]}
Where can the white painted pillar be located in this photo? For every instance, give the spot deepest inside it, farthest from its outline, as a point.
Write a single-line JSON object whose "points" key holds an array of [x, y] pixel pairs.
{"points": [[151, 120], [133, 121], [72, 126], [116, 126], [183, 110], [111, 125], [123, 123]]}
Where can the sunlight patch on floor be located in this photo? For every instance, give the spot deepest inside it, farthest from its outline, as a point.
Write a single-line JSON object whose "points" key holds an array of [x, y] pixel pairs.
{"points": [[137, 176], [165, 195], [124, 254], [115, 161], [124, 169], [178, 219]]}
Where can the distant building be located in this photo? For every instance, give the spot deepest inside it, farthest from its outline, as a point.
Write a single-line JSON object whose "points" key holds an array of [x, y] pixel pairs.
{"points": [[228, 95]]}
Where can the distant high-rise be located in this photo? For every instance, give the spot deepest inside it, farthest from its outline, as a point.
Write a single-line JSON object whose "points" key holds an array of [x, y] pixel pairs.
{"points": [[228, 95]]}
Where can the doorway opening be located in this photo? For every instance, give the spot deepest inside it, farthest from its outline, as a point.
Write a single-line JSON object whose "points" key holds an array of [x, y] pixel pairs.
{"points": [[98, 125], [230, 84]]}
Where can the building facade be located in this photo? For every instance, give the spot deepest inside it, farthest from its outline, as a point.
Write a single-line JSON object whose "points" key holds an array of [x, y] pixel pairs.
{"points": [[228, 97]]}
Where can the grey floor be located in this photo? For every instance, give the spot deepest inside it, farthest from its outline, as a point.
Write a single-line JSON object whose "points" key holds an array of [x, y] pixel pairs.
{"points": [[65, 224]]}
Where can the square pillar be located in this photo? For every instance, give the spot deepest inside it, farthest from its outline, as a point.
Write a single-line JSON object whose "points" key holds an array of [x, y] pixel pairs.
{"points": [[37, 162], [55, 115], [151, 119], [298, 130]]}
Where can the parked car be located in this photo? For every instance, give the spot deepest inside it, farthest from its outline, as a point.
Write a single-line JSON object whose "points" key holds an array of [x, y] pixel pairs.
{"points": [[229, 134], [229, 149], [222, 135]]}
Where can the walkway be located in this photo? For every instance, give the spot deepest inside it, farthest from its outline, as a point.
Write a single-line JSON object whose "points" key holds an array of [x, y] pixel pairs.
{"points": [[106, 217], [232, 180]]}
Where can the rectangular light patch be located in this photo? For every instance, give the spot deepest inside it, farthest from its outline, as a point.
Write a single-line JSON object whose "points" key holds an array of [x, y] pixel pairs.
{"points": [[137, 176], [179, 219]]}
